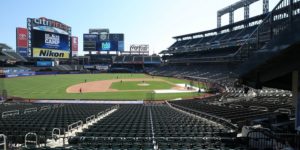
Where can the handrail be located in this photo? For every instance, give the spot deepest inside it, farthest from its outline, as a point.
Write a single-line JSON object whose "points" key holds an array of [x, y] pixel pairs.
{"points": [[285, 110], [29, 110], [77, 124], [29, 141], [261, 108], [4, 141], [90, 119], [10, 113], [45, 108], [99, 114], [54, 135]]}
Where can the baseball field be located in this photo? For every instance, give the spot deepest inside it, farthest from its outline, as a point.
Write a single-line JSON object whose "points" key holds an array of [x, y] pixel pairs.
{"points": [[99, 86]]}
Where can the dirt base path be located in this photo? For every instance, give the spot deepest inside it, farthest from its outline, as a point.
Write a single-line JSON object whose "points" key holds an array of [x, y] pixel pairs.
{"points": [[104, 86]]}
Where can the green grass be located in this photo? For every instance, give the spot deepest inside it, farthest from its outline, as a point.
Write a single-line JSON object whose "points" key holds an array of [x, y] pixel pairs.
{"points": [[54, 87], [133, 85]]}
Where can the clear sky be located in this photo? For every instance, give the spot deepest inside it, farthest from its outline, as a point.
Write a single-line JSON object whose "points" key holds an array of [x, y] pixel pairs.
{"points": [[152, 22]]}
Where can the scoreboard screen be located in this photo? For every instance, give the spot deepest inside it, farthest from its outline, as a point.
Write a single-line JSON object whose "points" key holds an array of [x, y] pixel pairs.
{"points": [[50, 45], [95, 42], [90, 42]]}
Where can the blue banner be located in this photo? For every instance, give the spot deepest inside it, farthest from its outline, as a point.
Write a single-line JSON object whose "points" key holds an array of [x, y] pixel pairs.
{"points": [[44, 63]]}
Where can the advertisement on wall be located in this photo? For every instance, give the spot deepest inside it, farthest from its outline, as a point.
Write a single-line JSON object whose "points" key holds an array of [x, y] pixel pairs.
{"points": [[50, 53], [141, 49], [74, 45], [22, 41], [44, 63]]}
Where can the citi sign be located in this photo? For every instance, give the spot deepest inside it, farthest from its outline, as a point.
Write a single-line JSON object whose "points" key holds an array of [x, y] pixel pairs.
{"points": [[51, 23]]}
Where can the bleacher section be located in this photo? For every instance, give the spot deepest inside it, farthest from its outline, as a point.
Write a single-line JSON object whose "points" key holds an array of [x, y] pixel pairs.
{"points": [[41, 119], [239, 41], [152, 127]]}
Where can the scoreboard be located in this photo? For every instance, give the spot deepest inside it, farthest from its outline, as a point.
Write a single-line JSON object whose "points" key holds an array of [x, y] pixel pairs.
{"points": [[90, 42], [109, 42]]}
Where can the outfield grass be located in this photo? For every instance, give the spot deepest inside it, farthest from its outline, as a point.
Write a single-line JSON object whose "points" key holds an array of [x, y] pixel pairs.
{"points": [[134, 85], [54, 87]]}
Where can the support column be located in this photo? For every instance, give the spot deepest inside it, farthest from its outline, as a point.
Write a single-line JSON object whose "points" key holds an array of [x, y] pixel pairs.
{"points": [[296, 97], [265, 6], [246, 13], [231, 17], [219, 20], [291, 11]]}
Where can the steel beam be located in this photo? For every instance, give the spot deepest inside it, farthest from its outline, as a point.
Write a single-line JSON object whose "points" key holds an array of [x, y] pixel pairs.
{"points": [[265, 6], [246, 12], [231, 17], [236, 6]]}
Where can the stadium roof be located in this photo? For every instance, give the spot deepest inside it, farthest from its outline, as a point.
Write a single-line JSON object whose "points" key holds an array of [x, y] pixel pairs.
{"points": [[236, 6], [4, 46], [253, 19]]}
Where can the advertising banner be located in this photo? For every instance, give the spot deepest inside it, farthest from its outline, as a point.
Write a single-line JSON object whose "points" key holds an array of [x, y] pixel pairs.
{"points": [[22, 51], [22, 39], [139, 49], [74, 43], [50, 53], [44, 63]]}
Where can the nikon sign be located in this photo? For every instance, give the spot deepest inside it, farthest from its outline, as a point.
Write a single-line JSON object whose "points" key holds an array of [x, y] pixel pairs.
{"points": [[50, 53]]}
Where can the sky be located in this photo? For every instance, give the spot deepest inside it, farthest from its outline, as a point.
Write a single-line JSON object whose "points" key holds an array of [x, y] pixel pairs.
{"points": [[152, 22]]}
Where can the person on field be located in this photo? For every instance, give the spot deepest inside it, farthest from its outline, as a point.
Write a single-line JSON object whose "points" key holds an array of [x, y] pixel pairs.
{"points": [[80, 90]]}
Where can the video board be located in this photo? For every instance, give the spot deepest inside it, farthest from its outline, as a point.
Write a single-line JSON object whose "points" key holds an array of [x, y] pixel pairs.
{"points": [[109, 42], [50, 45], [90, 42], [48, 38]]}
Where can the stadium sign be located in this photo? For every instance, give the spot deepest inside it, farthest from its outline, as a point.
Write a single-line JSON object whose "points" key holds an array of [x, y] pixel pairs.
{"points": [[51, 23], [48, 38], [139, 49], [49, 53], [22, 41]]}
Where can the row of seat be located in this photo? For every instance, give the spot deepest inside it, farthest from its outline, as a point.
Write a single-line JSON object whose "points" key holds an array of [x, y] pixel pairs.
{"points": [[150, 126], [43, 122]]}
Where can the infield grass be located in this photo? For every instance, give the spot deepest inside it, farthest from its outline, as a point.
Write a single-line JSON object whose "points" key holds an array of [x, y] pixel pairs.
{"points": [[54, 87]]}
